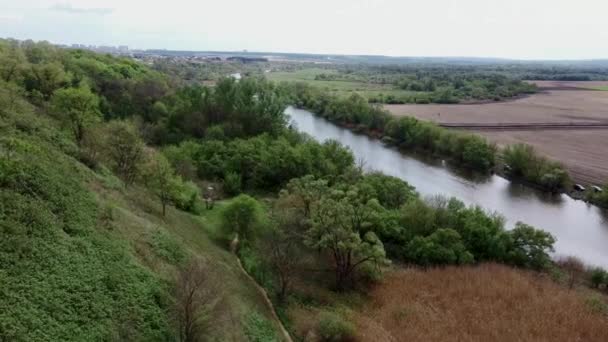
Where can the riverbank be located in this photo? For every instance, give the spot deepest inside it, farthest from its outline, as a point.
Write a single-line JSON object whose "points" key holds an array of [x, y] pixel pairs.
{"points": [[580, 228], [556, 102]]}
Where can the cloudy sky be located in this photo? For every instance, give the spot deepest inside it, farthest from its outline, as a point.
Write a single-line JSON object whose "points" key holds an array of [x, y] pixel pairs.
{"points": [[527, 29]]}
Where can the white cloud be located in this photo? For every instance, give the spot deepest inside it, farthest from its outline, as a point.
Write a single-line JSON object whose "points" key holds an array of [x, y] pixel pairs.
{"points": [[494, 28], [68, 8], [7, 17]]}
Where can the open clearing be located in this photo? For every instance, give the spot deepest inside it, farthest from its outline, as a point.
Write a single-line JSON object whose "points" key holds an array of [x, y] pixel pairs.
{"points": [[338, 87], [583, 152], [483, 303]]}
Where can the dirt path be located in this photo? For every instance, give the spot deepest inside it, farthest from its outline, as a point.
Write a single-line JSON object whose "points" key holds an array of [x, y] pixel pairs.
{"points": [[286, 336]]}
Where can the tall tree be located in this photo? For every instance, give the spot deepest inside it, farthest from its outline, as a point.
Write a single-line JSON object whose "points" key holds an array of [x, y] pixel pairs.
{"points": [[78, 108], [162, 180], [333, 230], [125, 150]]}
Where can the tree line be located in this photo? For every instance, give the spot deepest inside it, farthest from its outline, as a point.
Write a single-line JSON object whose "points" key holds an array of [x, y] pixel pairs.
{"points": [[467, 150]]}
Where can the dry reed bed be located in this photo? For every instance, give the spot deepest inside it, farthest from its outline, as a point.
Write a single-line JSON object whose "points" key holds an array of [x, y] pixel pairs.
{"points": [[484, 303]]}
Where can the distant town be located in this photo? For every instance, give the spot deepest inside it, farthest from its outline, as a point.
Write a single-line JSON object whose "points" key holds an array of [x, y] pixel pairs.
{"points": [[149, 56]]}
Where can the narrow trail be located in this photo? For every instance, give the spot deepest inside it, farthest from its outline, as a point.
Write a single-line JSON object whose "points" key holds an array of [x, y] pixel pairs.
{"points": [[286, 335]]}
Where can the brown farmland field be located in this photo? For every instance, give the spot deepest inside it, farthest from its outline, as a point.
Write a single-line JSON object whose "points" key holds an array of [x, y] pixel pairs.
{"points": [[483, 303], [583, 152]]}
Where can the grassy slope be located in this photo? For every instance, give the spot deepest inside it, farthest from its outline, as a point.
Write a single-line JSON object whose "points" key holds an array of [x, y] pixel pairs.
{"points": [[83, 258], [138, 220], [484, 303]]}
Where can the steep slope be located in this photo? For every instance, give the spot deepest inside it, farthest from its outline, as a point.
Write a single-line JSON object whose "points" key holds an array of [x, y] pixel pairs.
{"points": [[84, 258]]}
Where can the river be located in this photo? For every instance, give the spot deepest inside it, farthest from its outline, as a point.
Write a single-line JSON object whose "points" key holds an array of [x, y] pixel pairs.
{"points": [[580, 229]]}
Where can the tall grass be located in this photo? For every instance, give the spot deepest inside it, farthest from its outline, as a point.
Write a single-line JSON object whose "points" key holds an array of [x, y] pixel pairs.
{"points": [[485, 303]]}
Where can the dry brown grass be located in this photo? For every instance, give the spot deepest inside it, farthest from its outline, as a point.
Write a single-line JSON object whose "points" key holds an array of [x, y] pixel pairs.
{"points": [[484, 303]]}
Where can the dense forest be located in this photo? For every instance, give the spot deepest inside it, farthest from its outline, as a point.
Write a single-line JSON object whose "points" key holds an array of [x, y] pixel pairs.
{"points": [[125, 192]]}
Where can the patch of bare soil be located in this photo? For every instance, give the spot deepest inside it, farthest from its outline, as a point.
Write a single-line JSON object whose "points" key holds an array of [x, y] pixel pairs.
{"points": [[584, 152]]}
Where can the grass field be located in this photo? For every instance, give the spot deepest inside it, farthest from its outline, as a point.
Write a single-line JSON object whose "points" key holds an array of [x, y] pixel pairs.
{"points": [[338, 87], [482, 303]]}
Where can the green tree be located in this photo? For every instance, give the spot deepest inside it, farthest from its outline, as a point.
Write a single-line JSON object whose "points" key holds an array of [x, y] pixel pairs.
{"points": [[78, 108], [162, 180], [444, 246], [242, 217], [531, 246], [124, 149], [12, 64], [598, 277], [332, 230], [45, 79], [307, 190]]}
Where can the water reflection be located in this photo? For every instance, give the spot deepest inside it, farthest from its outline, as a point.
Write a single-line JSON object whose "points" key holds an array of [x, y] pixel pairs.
{"points": [[580, 229]]}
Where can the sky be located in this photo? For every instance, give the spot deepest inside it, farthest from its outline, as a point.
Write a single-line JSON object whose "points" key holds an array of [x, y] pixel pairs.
{"points": [[521, 29]]}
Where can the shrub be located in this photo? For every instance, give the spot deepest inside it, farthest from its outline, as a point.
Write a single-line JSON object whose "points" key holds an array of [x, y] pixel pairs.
{"points": [[166, 247], [232, 183], [334, 327], [444, 246], [243, 217], [598, 276], [259, 329]]}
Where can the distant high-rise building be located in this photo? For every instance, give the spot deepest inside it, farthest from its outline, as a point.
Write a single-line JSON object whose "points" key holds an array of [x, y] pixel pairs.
{"points": [[123, 48]]}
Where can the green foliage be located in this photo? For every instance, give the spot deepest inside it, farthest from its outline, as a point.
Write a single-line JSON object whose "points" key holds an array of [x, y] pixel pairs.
{"points": [[232, 183], [243, 216], [187, 196], [527, 164], [390, 191], [166, 247], [335, 229], [259, 329], [77, 108], [255, 266], [599, 198], [231, 109], [334, 327], [267, 163], [162, 181], [445, 231], [598, 277], [597, 304], [442, 247], [83, 284], [410, 81], [406, 132], [124, 150], [530, 246]]}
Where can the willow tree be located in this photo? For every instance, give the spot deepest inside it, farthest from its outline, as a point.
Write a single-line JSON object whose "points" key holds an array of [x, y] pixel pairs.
{"points": [[333, 230]]}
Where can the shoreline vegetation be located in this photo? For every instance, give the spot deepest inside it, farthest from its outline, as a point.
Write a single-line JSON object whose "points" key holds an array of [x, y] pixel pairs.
{"points": [[519, 162], [123, 198]]}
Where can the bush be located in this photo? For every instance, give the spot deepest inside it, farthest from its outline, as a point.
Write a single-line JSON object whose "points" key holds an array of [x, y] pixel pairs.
{"points": [[444, 246], [166, 247], [232, 183], [259, 329], [527, 164], [334, 327], [243, 216], [598, 277], [186, 197]]}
